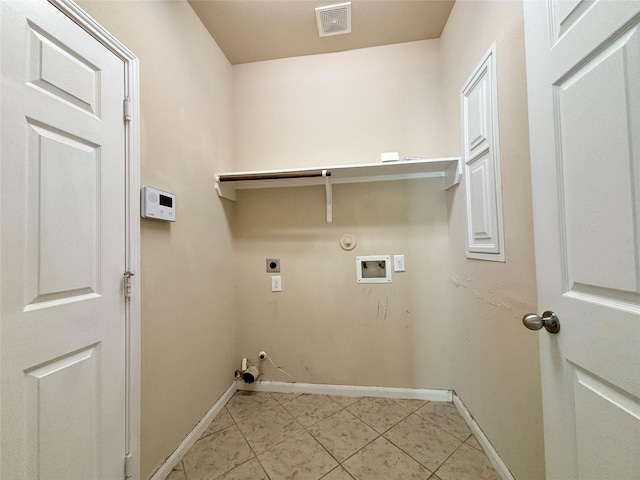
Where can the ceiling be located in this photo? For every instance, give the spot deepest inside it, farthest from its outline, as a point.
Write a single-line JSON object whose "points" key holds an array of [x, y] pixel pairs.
{"points": [[256, 30]]}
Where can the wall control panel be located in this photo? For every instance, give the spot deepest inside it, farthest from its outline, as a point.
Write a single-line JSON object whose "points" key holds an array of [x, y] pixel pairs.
{"points": [[157, 204]]}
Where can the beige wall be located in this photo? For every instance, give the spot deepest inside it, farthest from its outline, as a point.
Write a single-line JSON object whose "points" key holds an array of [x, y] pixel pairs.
{"points": [[495, 368], [335, 109], [447, 322], [188, 331], [345, 108], [324, 327], [338, 108]]}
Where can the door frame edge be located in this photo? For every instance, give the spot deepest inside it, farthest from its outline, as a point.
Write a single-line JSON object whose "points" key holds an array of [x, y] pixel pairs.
{"points": [[132, 227]]}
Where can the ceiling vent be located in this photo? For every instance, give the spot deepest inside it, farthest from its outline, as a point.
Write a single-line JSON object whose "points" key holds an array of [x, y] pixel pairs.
{"points": [[334, 19]]}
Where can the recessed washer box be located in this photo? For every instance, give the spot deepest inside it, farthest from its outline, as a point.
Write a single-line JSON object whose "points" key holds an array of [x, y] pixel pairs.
{"points": [[374, 269], [157, 204]]}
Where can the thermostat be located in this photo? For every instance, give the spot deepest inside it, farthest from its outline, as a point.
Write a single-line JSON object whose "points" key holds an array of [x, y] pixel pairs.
{"points": [[157, 204]]}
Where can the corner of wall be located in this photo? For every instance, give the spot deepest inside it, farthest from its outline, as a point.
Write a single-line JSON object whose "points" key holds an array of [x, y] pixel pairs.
{"points": [[494, 360], [188, 312]]}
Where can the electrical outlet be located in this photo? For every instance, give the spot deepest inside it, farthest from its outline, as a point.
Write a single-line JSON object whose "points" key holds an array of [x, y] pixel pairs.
{"points": [[398, 263], [273, 265], [276, 283]]}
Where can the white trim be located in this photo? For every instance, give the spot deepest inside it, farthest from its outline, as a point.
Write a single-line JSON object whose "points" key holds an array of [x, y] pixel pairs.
{"points": [[165, 469], [491, 453], [349, 390], [488, 66], [132, 254]]}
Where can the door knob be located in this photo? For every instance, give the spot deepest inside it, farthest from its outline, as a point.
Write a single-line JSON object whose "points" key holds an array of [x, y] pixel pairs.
{"points": [[549, 321]]}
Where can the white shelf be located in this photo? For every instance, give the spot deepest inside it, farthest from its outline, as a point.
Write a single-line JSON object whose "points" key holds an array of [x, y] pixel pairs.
{"points": [[447, 168]]}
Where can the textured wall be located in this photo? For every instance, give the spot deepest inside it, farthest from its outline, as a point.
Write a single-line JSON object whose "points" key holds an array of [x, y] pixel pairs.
{"points": [[495, 361], [338, 108], [447, 322], [343, 108], [188, 330]]}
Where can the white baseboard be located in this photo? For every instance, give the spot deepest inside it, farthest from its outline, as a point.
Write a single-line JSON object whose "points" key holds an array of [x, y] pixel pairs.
{"points": [[492, 455], [349, 391], [194, 435]]}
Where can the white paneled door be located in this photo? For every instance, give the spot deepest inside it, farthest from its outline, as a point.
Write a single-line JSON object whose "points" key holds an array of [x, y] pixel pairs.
{"points": [[62, 203], [583, 66]]}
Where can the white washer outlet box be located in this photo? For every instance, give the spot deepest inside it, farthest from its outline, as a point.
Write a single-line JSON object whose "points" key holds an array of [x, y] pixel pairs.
{"points": [[373, 269]]}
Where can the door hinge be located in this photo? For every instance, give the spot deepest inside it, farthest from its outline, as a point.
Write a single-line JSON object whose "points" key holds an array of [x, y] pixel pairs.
{"points": [[127, 466], [128, 283], [128, 109]]}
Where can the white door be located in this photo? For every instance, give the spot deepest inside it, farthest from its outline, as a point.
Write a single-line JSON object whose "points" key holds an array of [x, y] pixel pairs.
{"points": [[62, 250], [583, 67]]}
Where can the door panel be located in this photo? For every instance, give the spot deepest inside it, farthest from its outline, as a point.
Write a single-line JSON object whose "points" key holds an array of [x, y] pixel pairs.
{"points": [[613, 433], [61, 72], [566, 13], [62, 250], [597, 133], [66, 172], [62, 398], [583, 69]]}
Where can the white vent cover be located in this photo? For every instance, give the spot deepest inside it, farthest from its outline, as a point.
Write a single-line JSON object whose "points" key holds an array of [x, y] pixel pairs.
{"points": [[334, 19]]}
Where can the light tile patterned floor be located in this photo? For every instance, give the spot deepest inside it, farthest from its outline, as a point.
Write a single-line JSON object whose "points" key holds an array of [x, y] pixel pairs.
{"points": [[276, 436]]}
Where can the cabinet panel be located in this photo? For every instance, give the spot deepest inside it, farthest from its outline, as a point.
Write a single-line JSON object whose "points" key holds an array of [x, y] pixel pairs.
{"points": [[481, 147]]}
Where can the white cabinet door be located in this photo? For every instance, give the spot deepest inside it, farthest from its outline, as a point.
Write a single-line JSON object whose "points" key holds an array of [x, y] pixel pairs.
{"points": [[583, 66], [62, 250]]}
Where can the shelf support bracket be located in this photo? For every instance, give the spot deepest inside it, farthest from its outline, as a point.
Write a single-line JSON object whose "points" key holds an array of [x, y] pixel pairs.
{"points": [[329, 195], [225, 190], [453, 174]]}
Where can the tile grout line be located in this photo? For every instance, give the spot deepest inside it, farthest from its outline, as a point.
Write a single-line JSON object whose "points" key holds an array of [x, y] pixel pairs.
{"points": [[281, 441], [334, 469], [479, 449], [447, 459], [376, 430], [184, 469], [318, 441], [433, 472], [250, 447], [360, 449], [304, 428], [377, 433], [340, 464], [442, 428]]}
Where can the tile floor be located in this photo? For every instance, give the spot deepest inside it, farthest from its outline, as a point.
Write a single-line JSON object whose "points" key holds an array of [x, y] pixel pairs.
{"points": [[279, 436]]}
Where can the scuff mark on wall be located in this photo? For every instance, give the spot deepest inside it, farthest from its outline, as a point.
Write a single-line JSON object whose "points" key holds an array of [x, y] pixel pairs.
{"points": [[493, 304], [456, 281], [307, 369], [513, 305], [367, 290], [386, 309]]}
